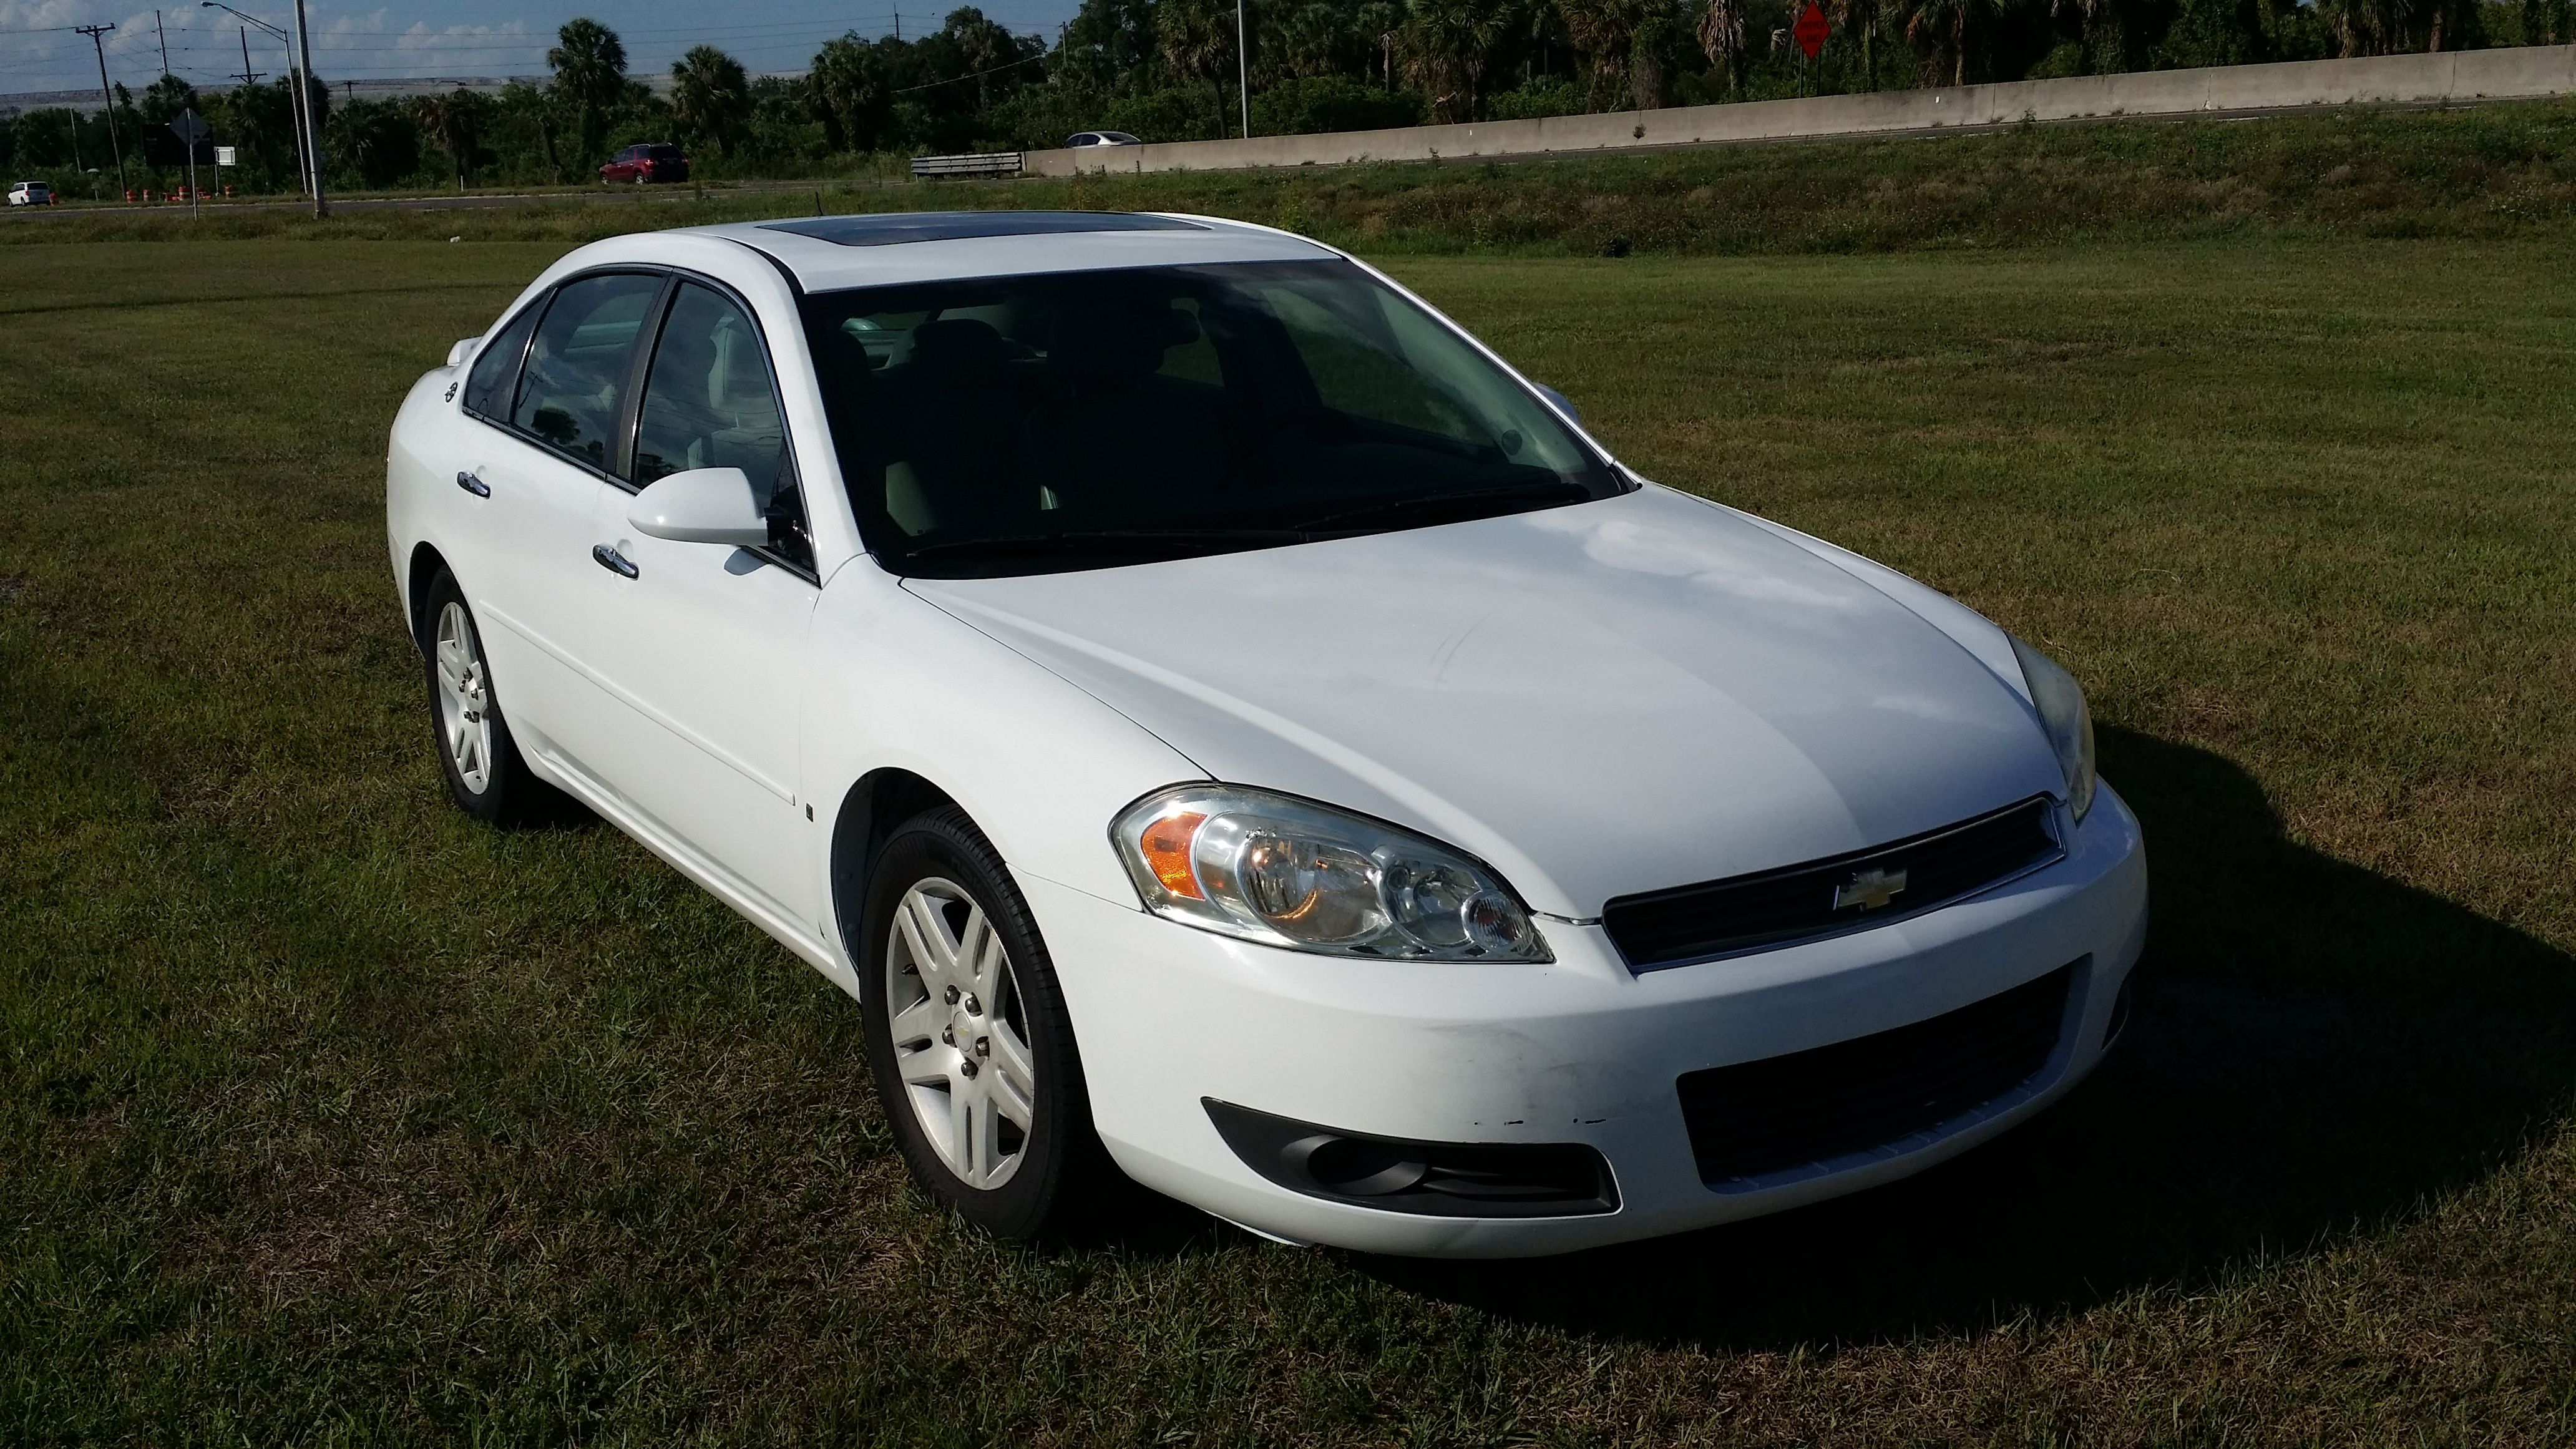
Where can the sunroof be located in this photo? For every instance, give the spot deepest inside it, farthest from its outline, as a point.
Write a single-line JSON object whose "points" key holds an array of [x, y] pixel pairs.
{"points": [[888, 228]]}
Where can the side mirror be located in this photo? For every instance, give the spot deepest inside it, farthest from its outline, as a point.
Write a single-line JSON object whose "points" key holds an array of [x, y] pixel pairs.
{"points": [[463, 349], [701, 505], [1563, 404]]}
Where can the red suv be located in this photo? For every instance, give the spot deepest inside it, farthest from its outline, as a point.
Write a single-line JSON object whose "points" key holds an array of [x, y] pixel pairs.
{"points": [[640, 164]]}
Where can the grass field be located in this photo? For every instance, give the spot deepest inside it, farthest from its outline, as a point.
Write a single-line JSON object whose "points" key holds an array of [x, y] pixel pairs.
{"points": [[2501, 172], [327, 1116]]}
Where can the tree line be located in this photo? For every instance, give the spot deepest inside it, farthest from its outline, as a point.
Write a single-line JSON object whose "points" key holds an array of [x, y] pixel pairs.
{"points": [[1169, 70]]}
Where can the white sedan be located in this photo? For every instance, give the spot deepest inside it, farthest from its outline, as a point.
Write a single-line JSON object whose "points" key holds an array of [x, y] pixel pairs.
{"points": [[1226, 727]]}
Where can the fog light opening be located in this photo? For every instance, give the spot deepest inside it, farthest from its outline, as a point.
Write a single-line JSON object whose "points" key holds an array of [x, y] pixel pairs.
{"points": [[2119, 1021]]}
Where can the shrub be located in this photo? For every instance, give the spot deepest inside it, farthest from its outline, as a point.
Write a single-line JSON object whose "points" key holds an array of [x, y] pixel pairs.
{"points": [[1332, 103]]}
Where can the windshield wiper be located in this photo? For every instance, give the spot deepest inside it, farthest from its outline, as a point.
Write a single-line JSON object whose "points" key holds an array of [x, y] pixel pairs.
{"points": [[1467, 504], [1095, 540]]}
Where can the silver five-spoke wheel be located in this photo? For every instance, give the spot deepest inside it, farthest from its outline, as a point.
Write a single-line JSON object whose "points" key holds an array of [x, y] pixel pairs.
{"points": [[464, 698], [960, 1033]]}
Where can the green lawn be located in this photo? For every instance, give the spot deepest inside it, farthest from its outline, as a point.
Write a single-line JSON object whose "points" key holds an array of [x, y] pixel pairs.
{"points": [[326, 1115]]}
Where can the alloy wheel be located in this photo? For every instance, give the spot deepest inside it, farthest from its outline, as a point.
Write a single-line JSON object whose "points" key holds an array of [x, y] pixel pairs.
{"points": [[960, 1033], [464, 698]]}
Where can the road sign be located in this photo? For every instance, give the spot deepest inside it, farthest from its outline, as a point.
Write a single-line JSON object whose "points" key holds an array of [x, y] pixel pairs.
{"points": [[1812, 29], [192, 133], [224, 156]]}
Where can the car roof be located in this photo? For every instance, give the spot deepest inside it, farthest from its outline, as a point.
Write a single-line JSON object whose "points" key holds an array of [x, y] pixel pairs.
{"points": [[829, 253]]}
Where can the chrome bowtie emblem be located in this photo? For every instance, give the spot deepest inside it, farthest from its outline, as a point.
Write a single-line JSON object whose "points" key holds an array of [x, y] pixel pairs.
{"points": [[1870, 889]]}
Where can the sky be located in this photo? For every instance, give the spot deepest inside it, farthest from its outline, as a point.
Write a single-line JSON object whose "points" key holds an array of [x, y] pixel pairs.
{"points": [[39, 50]]}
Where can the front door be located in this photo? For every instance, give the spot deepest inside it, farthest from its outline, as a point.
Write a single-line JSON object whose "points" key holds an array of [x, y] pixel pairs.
{"points": [[704, 644], [537, 452]]}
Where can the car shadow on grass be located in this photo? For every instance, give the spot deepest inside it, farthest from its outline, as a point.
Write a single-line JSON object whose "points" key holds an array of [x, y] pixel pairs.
{"points": [[2314, 1048]]}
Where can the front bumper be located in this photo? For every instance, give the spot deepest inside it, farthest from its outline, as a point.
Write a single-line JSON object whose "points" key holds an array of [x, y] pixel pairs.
{"points": [[1579, 1051]]}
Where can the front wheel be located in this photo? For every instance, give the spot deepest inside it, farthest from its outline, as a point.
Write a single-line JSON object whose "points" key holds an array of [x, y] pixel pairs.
{"points": [[968, 1036], [485, 775]]}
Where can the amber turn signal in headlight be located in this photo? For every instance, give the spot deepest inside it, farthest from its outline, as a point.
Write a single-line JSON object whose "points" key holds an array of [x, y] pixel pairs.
{"points": [[1292, 873]]}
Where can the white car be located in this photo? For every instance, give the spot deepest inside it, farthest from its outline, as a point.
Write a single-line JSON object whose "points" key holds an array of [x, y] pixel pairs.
{"points": [[1225, 726], [1100, 138], [31, 193]]}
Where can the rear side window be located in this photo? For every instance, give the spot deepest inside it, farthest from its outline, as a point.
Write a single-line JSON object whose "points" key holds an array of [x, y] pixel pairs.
{"points": [[496, 368], [573, 386]]}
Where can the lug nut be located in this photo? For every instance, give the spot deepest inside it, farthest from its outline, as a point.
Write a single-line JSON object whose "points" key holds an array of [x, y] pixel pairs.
{"points": [[949, 996], [974, 1007], [983, 1046], [948, 1036], [967, 1067]]}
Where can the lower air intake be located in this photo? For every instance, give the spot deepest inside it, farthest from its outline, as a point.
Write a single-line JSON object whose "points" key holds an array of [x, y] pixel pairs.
{"points": [[1807, 1108]]}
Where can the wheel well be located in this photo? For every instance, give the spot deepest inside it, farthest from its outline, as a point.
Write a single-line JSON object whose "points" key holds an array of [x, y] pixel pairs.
{"points": [[881, 801], [425, 564]]}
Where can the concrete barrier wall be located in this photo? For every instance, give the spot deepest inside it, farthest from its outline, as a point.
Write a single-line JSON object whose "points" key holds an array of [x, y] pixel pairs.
{"points": [[2468, 75]]}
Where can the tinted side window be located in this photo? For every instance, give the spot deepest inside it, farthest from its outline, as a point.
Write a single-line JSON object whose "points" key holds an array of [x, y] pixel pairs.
{"points": [[708, 403], [573, 386], [496, 366]]}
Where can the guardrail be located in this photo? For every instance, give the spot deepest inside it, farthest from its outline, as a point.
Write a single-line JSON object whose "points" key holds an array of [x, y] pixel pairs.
{"points": [[984, 163], [2444, 78]]}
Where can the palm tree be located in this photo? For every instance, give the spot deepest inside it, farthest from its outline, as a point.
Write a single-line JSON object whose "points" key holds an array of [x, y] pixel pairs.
{"points": [[1937, 27], [1605, 31], [1861, 16], [710, 95], [1313, 41], [452, 121], [1197, 37], [1446, 46], [1721, 35], [589, 63], [850, 84]]}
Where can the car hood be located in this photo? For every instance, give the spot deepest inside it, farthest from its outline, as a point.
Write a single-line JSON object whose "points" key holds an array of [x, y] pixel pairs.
{"points": [[1599, 699]]}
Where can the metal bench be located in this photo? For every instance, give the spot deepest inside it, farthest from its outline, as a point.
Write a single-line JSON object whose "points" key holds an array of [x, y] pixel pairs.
{"points": [[988, 163]]}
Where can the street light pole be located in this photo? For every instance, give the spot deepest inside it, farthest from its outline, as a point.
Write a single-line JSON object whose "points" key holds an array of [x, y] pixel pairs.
{"points": [[94, 32], [304, 38], [1242, 70], [300, 110]]}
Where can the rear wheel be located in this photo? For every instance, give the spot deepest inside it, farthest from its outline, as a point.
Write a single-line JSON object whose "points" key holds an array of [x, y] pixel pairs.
{"points": [[968, 1037], [485, 775]]}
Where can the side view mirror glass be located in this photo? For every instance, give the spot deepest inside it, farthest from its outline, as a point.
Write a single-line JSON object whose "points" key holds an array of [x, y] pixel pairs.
{"points": [[463, 349], [701, 505], [1563, 404]]}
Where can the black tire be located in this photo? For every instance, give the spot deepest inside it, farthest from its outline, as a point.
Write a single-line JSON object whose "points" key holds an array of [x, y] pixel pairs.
{"points": [[502, 792], [1063, 1175]]}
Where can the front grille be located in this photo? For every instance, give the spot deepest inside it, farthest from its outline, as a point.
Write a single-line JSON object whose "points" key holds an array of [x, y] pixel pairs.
{"points": [[1810, 1107], [1795, 903]]}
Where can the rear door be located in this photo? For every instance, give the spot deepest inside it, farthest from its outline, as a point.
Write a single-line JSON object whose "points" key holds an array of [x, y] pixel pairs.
{"points": [[704, 644]]}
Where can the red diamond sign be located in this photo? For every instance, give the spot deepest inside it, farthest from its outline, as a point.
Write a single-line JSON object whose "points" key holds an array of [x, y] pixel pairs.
{"points": [[1812, 29]]}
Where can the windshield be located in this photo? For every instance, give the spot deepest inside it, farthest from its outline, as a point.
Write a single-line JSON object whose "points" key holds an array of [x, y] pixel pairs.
{"points": [[1083, 420]]}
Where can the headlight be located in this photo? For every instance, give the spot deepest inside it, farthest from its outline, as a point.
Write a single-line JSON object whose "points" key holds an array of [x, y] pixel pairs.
{"points": [[1290, 873], [2069, 724]]}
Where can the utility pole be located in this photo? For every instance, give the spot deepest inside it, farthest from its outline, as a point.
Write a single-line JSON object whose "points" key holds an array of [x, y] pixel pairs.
{"points": [[163, 32], [100, 46], [249, 77], [303, 92]]}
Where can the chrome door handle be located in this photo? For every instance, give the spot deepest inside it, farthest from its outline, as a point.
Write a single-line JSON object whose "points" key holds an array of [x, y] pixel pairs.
{"points": [[473, 485], [613, 561]]}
